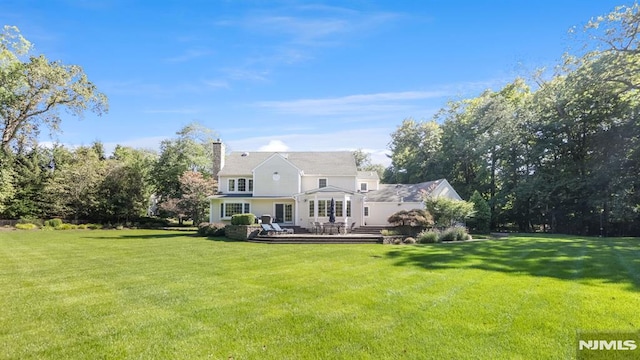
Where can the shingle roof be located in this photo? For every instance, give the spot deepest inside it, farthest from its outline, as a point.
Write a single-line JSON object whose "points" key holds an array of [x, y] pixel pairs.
{"points": [[368, 175], [402, 192], [330, 163]]}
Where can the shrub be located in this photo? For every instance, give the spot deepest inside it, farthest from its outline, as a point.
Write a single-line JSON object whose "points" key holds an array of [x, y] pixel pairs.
{"points": [[94, 226], [211, 229], [82, 226], [26, 226], [455, 233], [409, 240], [397, 241], [66, 227], [428, 237], [151, 223], [243, 219], [53, 223], [31, 220], [387, 232]]}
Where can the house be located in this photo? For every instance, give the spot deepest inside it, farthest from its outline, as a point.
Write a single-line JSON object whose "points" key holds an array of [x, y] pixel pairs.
{"points": [[296, 188]]}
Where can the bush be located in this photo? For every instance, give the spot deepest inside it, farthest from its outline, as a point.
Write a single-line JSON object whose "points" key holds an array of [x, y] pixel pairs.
{"points": [[26, 226], [53, 223], [243, 219], [211, 229], [409, 240], [94, 226], [455, 233], [397, 241], [387, 232], [151, 223], [428, 237], [31, 220], [66, 227]]}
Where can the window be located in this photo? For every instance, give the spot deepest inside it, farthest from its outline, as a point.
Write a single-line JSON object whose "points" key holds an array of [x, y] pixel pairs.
{"points": [[312, 212], [339, 211], [250, 184], [363, 187], [230, 209], [366, 211], [322, 183], [288, 213], [322, 207], [232, 184], [348, 208], [242, 185]]}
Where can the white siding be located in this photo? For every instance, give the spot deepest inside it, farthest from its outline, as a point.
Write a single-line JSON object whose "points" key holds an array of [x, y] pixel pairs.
{"points": [[379, 212], [342, 182], [268, 183]]}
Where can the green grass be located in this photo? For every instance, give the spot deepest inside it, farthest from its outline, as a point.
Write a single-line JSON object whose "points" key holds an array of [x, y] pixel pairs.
{"points": [[158, 294]]}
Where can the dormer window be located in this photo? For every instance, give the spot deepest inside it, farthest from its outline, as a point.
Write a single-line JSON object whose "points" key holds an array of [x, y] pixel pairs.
{"points": [[322, 183], [241, 185], [364, 187]]}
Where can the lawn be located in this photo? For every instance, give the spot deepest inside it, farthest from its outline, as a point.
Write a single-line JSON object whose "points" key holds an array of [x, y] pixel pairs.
{"points": [[157, 294]]}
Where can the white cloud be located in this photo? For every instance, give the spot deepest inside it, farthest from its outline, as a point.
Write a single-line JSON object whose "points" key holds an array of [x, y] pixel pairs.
{"points": [[353, 104], [274, 145]]}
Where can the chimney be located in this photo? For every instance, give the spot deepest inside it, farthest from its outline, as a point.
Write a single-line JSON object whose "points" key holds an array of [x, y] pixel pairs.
{"points": [[218, 157]]}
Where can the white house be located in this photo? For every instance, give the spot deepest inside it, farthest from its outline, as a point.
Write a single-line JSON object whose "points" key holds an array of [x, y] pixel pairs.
{"points": [[296, 188]]}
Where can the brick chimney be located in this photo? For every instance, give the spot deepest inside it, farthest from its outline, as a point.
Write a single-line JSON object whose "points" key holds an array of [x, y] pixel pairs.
{"points": [[218, 157]]}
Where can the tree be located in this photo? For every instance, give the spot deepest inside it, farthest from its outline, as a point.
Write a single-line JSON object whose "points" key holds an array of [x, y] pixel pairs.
{"points": [[447, 212], [192, 202], [415, 149], [363, 163], [34, 89], [481, 219], [190, 151]]}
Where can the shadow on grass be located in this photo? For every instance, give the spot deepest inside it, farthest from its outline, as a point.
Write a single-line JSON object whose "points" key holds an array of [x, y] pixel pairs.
{"points": [[612, 260]]}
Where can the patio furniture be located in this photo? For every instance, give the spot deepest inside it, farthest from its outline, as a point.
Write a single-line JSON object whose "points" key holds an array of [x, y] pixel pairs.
{"points": [[267, 229], [280, 230], [317, 227]]}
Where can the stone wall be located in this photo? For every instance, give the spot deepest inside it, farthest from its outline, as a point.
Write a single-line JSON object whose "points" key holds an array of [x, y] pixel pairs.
{"points": [[241, 232]]}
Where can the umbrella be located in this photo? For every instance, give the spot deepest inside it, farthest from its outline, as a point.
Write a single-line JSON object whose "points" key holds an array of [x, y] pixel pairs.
{"points": [[332, 211]]}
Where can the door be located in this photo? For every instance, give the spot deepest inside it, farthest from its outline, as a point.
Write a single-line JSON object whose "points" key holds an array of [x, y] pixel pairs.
{"points": [[284, 213]]}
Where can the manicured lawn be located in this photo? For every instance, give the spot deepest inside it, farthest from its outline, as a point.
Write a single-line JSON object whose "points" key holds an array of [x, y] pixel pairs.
{"points": [[156, 294]]}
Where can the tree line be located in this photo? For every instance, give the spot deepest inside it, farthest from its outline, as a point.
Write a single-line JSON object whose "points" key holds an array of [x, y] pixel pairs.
{"points": [[561, 154]]}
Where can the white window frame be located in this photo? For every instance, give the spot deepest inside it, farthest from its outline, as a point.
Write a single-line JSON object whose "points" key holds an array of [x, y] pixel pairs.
{"points": [[248, 185], [366, 211], [246, 208], [326, 183], [364, 188]]}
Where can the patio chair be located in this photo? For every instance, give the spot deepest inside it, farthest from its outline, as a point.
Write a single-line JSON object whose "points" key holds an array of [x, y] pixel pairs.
{"points": [[353, 226], [267, 229], [280, 230]]}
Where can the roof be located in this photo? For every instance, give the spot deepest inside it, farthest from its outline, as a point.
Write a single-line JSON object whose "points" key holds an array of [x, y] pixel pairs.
{"points": [[329, 163], [402, 192], [368, 175]]}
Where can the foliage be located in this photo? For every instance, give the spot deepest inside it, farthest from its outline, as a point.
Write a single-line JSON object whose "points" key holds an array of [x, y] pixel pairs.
{"points": [[211, 229], [390, 232], [415, 148], [414, 218], [481, 220], [27, 226], [428, 237], [243, 219], [34, 88], [31, 220], [409, 240], [454, 233], [447, 212], [53, 223], [66, 226]]}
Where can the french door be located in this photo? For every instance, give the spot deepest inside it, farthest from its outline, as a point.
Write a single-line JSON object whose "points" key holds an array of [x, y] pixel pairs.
{"points": [[284, 213]]}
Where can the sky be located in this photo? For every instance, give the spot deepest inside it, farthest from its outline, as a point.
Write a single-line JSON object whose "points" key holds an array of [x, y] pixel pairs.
{"points": [[290, 75]]}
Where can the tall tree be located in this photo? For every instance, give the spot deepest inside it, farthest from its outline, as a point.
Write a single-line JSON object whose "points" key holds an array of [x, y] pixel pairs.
{"points": [[415, 148], [34, 89]]}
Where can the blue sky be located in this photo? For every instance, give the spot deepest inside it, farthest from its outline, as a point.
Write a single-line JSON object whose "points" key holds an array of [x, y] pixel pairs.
{"points": [[290, 75]]}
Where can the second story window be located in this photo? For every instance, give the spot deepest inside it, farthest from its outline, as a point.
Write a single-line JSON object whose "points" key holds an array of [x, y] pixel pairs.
{"points": [[232, 184], [322, 183], [250, 181], [242, 185], [363, 187]]}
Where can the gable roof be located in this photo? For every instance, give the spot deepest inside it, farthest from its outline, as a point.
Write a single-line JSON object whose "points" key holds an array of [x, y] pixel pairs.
{"points": [[328, 163], [410, 192]]}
